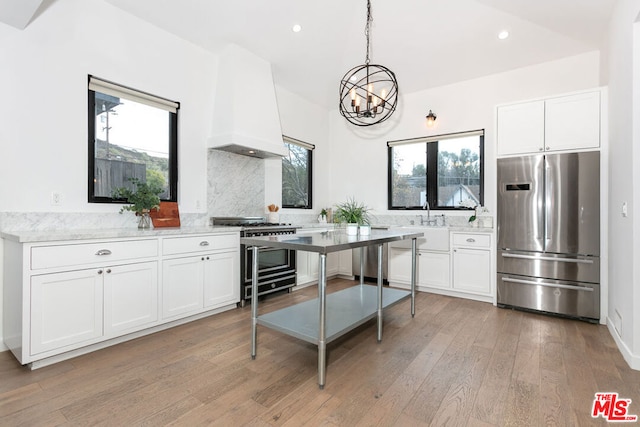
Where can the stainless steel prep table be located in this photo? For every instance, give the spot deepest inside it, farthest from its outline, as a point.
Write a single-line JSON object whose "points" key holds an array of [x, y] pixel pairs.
{"points": [[347, 308]]}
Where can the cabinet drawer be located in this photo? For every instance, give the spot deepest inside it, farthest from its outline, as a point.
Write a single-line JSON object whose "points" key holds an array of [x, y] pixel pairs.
{"points": [[185, 245], [472, 240], [103, 253]]}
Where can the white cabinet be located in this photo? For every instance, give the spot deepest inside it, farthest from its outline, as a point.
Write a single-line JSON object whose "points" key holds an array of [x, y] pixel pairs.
{"points": [[520, 128], [307, 266], [452, 263], [130, 297], [66, 309], [182, 286], [64, 297], [432, 261], [221, 279], [74, 306], [432, 268], [207, 280], [472, 263], [570, 122]]}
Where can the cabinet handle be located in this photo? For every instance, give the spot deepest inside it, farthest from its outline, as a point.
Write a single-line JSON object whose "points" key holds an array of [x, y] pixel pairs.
{"points": [[540, 149], [99, 271], [103, 252], [108, 270], [202, 259], [204, 243], [548, 148], [471, 240], [207, 257]]}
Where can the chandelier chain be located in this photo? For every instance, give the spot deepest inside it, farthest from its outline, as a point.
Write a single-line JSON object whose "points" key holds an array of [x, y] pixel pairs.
{"points": [[367, 29]]}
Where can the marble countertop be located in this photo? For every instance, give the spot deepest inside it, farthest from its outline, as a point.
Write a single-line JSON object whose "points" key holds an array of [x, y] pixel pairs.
{"points": [[330, 241], [30, 236]]}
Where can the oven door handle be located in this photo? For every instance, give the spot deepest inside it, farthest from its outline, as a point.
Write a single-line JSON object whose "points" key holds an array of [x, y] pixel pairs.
{"points": [[549, 285]]}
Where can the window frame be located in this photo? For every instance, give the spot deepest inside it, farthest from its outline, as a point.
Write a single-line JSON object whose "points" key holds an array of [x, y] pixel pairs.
{"points": [[173, 140], [431, 153], [310, 149]]}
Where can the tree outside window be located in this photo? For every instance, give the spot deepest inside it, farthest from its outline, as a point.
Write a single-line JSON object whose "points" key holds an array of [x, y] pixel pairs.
{"points": [[297, 174], [445, 171]]}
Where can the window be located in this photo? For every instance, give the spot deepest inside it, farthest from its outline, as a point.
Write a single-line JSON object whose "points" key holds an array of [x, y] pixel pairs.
{"points": [[297, 174], [445, 170], [131, 135]]}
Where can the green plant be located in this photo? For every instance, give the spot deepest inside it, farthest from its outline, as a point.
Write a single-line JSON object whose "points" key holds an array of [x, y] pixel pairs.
{"points": [[323, 212], [144, 198], [351, 212]]}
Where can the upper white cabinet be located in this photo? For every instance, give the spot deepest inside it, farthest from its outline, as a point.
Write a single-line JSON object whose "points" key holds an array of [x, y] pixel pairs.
{"points": [[521, 128], [563, 123], [572, 122]]}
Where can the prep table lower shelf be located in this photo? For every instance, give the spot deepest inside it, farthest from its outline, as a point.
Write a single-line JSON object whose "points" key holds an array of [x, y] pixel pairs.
{"points": [[346, 310]]}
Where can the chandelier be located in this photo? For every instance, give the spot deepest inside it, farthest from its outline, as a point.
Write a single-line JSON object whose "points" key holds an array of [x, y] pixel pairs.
{"points": [[368, 92]]}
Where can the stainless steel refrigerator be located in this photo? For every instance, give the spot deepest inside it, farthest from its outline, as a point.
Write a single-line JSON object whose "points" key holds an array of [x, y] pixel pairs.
{"points": [[548, 223]]}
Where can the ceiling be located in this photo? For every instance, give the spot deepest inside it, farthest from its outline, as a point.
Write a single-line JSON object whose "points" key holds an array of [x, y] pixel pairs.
{"points": [[427, 43]]}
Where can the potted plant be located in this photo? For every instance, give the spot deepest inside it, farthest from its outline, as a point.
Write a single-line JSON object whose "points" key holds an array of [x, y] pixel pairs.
{"points": [[322, 218], [144, 198], [353, 214]]}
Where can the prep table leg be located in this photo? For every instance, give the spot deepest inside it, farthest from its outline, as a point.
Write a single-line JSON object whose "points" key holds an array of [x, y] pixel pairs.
{"points": [[254, 301], [413, 277], [379, 293], [363, 255], [322, 299]]}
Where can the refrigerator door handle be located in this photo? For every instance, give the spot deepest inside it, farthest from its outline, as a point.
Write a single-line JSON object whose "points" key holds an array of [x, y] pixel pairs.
{"points": [[549, 285], [544, 258]]}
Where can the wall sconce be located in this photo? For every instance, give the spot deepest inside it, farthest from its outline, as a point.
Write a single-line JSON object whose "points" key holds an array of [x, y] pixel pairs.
{"points": [[431, 119]]}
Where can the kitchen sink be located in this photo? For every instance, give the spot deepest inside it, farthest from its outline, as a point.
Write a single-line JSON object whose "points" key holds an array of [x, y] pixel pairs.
{"points": [[436, 238]]}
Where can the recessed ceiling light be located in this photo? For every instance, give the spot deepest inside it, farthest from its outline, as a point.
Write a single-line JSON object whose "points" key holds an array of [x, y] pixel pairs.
{"points": [[296, 28], [503, 34]]}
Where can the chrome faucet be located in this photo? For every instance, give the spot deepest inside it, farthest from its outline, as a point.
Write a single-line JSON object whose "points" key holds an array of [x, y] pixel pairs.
{"points": [[428, 208]]}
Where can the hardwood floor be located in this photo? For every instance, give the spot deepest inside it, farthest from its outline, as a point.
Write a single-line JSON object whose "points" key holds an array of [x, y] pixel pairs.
{"points": [[458, 362]]}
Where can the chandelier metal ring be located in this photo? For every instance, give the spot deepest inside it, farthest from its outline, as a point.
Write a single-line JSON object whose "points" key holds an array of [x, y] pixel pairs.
{"points": [[359, 103], [368, 92]]}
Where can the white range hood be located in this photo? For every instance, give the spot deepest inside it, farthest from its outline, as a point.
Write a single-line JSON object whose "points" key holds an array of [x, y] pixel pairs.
{"points": [[246, 119]]}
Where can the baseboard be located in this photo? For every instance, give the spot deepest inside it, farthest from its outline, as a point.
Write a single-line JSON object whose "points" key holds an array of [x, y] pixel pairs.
{"points": [[632, 360]]}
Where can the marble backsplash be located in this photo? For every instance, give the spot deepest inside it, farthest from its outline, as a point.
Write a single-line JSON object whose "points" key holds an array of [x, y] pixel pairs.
{"points": [[236, 184], [41, 221]]}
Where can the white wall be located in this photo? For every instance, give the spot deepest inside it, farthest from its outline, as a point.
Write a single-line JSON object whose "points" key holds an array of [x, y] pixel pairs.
{"points": [[359, 160], [43, 81], [44, 85], [308, 122], [624, 181]]}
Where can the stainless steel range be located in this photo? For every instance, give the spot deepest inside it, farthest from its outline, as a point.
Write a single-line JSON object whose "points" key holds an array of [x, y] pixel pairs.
{"points": [[276, 267]]}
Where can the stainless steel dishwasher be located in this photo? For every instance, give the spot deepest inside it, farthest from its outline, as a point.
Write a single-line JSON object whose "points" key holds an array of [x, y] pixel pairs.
{"points": [[371, 261]]}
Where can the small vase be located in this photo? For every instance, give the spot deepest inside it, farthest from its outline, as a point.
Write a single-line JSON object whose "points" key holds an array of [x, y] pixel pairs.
{"points": [[352, 229], [273, 217], [144, 222], [365, 230]]}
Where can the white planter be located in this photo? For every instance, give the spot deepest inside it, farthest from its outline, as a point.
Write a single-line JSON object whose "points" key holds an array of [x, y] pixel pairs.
{"points": [[352, 229], [273, 217], [365, 230]]}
